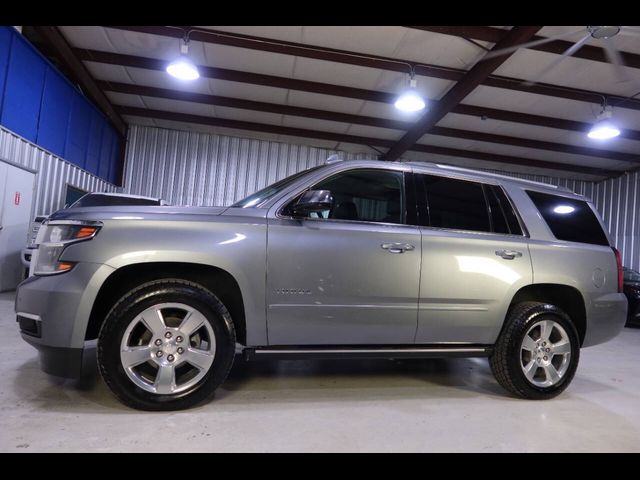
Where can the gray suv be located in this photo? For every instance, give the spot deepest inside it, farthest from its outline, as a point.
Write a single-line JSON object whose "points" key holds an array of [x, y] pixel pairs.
{"points": [[357, 259]]}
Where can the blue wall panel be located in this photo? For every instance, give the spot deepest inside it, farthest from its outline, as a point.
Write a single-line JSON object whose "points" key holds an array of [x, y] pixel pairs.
{"points": [[38, 103], [23, 90], [78, 134], [113, 163], [5, 48], [54, 114], [105, 152], [92, 162]]}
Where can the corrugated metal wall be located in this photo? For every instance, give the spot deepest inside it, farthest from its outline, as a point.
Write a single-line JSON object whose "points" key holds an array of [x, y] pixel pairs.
{"points": [[618, 201], [190, 168], [52, 173]]}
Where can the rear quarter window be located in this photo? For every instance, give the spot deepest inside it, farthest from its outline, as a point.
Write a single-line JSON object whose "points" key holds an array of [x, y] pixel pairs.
{"points": [[569, 219]]}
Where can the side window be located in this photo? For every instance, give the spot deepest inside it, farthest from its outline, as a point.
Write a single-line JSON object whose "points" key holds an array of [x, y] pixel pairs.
{"points": [[456, 204], [503, 217], [569, 219], [365, 195]]}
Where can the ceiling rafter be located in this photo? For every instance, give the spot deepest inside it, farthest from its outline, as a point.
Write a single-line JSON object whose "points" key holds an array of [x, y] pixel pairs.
{"points": [[379, 62], [492, 34], [361, 140], [474, 77], [357, 119], [336, 90], [52, 36]]}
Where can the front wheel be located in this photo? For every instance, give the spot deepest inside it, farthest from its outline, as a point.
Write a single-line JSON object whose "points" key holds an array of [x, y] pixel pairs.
{"points": [[537, 353], [166, 345]]}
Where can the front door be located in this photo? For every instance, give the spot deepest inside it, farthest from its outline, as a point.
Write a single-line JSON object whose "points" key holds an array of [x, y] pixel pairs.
{"points": [[348, 275]]}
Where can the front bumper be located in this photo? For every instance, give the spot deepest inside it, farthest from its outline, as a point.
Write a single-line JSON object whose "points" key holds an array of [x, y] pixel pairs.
{"points": [[60, 307]]}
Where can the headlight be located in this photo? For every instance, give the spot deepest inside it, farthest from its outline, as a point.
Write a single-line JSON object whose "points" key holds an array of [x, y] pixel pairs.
{"points": [[53, 238]]}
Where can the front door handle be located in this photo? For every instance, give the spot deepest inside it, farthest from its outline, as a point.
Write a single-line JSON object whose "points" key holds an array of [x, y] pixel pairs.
{"points": [[397, 247], [508, 254]]}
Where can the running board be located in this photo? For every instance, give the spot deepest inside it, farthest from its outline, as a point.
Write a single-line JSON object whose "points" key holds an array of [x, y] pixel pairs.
{"points": [[345, 351]]}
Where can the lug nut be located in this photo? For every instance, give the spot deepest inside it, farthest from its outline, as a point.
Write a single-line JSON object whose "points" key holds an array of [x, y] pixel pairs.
{"points": [[538, 360], [178, 339], [180, 350], [547, 350], [158, 342], [544, 344], [159, 353], [546, 358], [170, 358], [167, 335]]}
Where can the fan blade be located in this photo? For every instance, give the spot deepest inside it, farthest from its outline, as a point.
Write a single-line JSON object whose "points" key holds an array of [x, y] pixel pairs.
{"points": [[567, 53], [615, 59], [504, 51]]}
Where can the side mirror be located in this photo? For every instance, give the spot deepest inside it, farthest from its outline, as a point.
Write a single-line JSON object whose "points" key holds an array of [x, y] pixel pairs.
{"points": [[312, 201]]}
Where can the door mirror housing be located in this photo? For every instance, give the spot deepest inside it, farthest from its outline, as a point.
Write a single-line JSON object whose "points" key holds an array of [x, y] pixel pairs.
{"points": [[311, 201]]}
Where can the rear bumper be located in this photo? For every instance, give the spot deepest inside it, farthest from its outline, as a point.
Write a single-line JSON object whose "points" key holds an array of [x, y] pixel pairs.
{"points": [[606, 316]]}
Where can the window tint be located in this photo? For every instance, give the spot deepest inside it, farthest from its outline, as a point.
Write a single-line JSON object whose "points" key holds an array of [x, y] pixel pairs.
{"points": [[365, 195], [569, 219], [503, 217], [456, 204]]}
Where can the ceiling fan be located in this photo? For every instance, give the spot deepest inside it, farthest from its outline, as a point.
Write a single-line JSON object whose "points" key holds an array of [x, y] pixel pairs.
{"points": [[604, 34]]}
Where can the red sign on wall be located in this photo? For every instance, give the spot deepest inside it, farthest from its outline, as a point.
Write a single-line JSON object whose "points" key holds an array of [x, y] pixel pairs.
{"points": [[16, 199]]}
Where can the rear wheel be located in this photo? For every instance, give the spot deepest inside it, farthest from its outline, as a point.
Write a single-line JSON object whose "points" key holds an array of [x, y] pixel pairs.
{"points": [[537, 353], [166, 345]]}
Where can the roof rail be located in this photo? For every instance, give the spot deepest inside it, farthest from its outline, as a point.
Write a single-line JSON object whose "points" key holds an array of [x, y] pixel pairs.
{"points": [[491, 174]]}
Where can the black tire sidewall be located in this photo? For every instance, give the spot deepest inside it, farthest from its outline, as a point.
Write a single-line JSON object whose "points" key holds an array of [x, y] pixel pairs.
{"points": [[134, 303], [522, 324]]}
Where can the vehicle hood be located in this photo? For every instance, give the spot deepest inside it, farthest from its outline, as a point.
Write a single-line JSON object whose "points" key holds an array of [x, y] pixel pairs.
{"points": [[154, 212]]}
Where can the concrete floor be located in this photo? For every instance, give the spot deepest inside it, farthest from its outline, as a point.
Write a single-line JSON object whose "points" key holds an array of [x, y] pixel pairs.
{"points": [[417, 405]]}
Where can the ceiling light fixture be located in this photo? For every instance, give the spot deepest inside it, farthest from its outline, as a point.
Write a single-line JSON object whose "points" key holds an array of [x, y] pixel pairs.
{"points": [[182, 67], [604, 128], [563, 209], [410, 100]]}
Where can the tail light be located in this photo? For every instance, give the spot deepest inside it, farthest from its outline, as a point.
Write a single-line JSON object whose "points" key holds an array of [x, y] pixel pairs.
{"points": [[620, 272]]}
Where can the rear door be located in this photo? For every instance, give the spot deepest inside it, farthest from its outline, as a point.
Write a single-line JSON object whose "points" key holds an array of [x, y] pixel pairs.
{"points": [[474, 258]]}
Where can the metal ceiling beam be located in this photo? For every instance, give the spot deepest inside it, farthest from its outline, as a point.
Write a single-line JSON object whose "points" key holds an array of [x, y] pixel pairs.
{"points": [[239, 76], [379, 62], [491, 34], [474, 77], [53, 37], [360, 140], [357, 119], [337, 90]]}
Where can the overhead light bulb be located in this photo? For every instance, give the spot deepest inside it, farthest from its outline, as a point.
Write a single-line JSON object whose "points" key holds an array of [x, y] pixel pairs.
{"points": [[410, 100], [564, 209], [183, 68], [604, 128]]}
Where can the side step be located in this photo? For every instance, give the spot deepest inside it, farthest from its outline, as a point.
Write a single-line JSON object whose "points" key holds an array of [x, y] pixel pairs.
{"points": [[287, 352]]}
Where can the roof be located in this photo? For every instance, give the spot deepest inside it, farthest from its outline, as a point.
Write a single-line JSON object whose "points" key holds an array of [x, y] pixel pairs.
{"points": [[334, 87]]}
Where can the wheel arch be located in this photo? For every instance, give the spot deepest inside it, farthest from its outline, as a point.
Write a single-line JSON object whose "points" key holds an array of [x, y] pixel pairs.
{"points": [[565, 297], [125, 278]]}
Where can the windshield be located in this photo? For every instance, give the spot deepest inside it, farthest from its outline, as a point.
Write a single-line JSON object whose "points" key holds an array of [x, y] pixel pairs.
{"points": [[261, 195], [107, 200], [631, 275]]}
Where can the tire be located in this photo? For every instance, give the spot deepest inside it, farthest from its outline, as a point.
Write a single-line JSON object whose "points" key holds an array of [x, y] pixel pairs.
{"points": [[132, 355], [513, 352]]}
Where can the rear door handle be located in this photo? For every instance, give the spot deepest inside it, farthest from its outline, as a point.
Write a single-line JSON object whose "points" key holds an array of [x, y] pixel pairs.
{"points": [[397, 247], [508, 254]]}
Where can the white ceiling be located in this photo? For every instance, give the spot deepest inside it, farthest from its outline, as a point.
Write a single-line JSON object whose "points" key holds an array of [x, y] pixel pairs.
{"points": [[391, 41]]}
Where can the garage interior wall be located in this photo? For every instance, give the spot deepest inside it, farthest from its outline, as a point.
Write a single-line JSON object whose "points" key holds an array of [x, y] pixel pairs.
{"points": [[196, 168], [53, 174]]}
